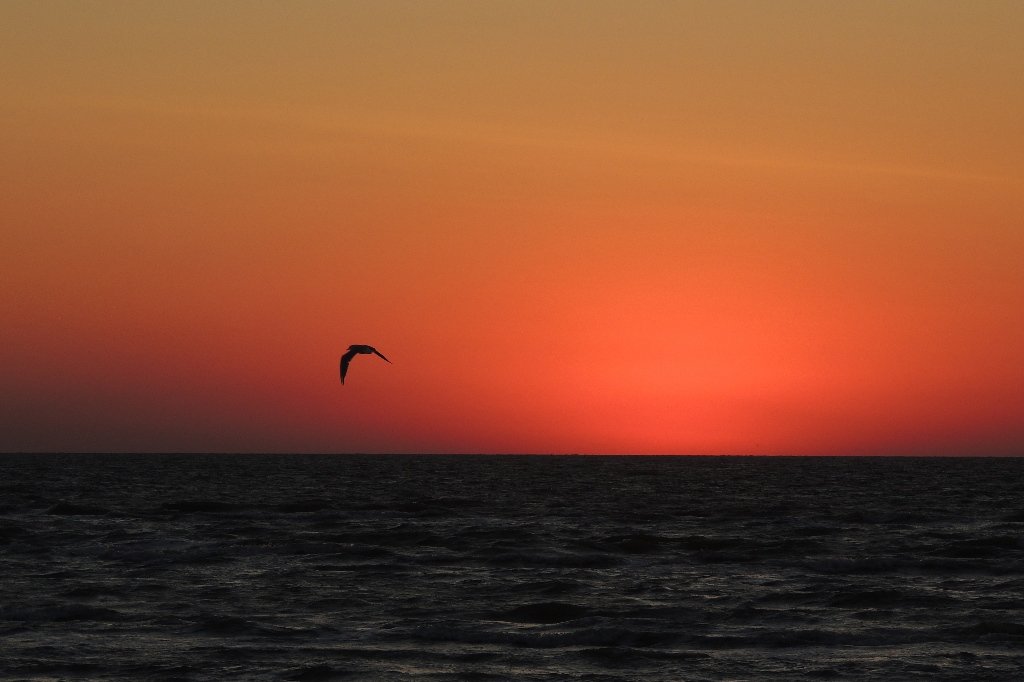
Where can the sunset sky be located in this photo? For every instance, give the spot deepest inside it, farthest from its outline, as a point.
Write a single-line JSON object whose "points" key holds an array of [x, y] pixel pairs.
{"points": [[589, 226]]}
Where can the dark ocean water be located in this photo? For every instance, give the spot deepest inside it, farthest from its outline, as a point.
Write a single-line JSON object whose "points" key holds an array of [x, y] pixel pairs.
{"points": [[528, 568]]}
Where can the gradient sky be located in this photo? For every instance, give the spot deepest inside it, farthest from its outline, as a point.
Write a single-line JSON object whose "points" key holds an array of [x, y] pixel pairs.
{"points": [[714, 227]]}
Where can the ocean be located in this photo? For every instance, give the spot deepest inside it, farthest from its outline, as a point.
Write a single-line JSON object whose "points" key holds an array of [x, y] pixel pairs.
{"points": [[303, 567]]}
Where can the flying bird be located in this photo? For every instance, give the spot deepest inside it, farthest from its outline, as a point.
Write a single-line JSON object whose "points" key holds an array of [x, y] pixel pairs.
{"points": [[354, 350]]}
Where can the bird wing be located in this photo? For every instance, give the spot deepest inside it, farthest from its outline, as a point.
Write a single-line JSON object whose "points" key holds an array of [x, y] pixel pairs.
{"points": [[381, 355], [345, 359]]}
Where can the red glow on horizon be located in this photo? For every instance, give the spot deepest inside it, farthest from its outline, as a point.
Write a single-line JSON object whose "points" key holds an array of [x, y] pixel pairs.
{"points": [[560, 247]]}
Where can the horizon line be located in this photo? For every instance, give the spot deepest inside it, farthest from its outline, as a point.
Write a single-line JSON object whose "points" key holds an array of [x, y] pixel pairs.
{"points": [[322, 453]]}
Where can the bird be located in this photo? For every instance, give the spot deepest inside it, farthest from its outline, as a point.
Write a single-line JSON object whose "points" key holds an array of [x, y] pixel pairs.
{"points": [[354, 350]]}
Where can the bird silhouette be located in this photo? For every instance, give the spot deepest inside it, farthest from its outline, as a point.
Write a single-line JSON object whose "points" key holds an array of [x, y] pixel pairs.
{"points": [[354, 350]]}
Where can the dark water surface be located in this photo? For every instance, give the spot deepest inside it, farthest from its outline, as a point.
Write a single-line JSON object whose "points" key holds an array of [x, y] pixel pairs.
{"points": [[150, 567]]}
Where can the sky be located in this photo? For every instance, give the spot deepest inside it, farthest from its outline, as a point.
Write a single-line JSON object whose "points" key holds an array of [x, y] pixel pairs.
{"points": [[573, 226]]}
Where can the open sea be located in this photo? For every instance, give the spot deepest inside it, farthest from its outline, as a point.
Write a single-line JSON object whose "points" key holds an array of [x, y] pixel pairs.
{"points": [[295, 567]]}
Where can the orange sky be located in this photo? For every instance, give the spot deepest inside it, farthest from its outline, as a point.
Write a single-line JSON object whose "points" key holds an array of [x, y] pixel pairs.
{"points": [[612, 227]]}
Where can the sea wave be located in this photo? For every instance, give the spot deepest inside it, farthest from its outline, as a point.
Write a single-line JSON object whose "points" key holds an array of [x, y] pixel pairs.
{"points": [[440, 568]]}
